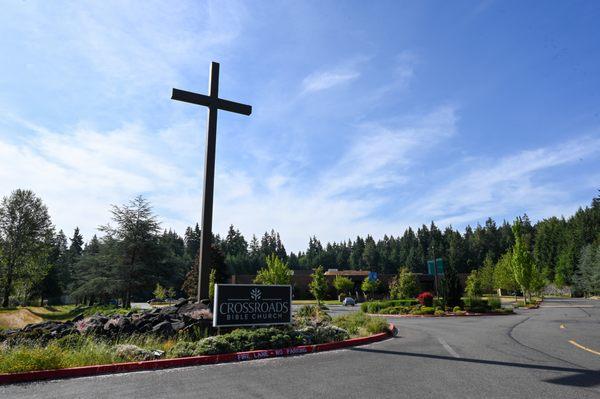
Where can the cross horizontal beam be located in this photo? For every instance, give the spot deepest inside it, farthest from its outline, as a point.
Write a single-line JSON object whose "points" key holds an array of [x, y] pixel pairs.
{"points": [[208, 101]]}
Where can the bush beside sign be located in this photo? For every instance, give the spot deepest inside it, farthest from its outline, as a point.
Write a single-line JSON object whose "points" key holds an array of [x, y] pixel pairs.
{"points": [[252, 305]]}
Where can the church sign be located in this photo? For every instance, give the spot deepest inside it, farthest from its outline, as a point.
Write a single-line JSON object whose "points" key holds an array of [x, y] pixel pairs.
{"points": [[238, 305]]}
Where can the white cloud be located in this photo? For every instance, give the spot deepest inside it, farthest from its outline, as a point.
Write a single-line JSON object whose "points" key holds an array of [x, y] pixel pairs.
{"points": [[380, 153], [323, 80], [496, 187]]}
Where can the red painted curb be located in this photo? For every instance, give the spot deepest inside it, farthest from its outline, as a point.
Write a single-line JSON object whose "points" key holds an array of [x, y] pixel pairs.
{"points": [[413, 316], [186, 361]]}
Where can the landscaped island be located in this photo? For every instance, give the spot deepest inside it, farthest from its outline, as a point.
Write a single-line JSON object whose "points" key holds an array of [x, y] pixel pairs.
{"points": [[181, 330]]}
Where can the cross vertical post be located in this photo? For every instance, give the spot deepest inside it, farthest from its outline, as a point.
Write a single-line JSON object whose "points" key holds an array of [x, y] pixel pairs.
{"points": [[209, 186], [214, 103]]}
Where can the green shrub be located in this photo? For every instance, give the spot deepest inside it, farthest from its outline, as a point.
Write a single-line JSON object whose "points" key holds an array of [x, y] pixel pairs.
{"points": [[183, 349], [376, 306], [312, 314], [456, 309], [396, 310], [494, 302], [476, 305], [360, 324], [439, 312], [423, 310], [323, 334], [376, 325], [213, 346]]}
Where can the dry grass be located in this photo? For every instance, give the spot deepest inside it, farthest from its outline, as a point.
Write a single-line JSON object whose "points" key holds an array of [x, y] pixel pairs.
{"points": [[18, 318]]}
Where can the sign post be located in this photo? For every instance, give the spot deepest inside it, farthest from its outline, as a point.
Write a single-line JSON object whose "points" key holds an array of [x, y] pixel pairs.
{"points": [[237, 305]]}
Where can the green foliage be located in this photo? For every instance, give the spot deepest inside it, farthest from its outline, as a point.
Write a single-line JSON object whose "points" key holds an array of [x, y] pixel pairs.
{"points": [[275, 272], [494, 302], [522, 261], [587, 279], [404, 285], [376, 306], [343, 284], [456, 309], [159, 292], [369, 286], [423, 310], [318, 285], [360, 324], [564, 269], [477, 305], [451, 286], [212, 280], [396, 310], [106, 310], [504, 277], [486, 275], [25, 242], [473, 288], [311, 314]]}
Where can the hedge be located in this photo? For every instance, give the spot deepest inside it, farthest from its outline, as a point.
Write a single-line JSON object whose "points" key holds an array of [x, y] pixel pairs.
{"points": [[376, 306]]}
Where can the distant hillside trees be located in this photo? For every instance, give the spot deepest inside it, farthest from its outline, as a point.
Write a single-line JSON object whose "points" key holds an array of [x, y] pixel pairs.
{"points": [[134, 253]]}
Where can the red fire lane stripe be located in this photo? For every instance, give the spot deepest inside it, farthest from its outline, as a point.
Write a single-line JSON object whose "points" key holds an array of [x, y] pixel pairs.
{"points": [[186, 361]]}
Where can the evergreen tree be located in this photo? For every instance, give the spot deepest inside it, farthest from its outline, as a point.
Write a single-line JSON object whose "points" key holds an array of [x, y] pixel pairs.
{"points": [[451, 287], [370, 256], [136, 231], [587, 278]]}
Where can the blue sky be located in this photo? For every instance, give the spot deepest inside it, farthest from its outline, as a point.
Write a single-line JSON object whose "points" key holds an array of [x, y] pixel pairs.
{"points": [[368, 117]]}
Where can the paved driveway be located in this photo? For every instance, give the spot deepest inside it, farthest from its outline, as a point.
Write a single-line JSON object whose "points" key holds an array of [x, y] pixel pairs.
{"points": [[551, 352]]}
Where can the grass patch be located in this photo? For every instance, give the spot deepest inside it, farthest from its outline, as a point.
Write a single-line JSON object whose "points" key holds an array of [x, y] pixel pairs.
{"points": [[360, 324], [314, 302], [57, 313]]}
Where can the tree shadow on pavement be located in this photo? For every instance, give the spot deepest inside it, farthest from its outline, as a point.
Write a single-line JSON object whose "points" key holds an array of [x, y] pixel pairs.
{"points": [[580, 377]]}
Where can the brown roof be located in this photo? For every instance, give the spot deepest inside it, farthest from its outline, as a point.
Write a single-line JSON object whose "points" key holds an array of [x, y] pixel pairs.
{"points": [[347, 273]]}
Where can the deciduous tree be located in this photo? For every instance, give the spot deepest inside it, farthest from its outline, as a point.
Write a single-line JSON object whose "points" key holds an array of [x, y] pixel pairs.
{"points": [[25, 240]]}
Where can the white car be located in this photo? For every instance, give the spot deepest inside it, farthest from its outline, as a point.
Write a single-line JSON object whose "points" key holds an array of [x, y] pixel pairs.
{"points": [[348, 301]]}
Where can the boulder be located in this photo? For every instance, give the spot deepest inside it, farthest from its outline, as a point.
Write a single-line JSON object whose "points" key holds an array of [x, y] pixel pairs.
{"points": [[164, 328], [177, 325], [195, 311]]}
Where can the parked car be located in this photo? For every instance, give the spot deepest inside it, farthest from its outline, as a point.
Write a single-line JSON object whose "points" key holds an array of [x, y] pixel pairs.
{"points": [[348, 301]]}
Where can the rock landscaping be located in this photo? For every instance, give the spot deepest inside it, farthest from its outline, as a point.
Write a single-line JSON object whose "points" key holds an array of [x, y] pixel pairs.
{"points": [[164, 322], [181, 330]]}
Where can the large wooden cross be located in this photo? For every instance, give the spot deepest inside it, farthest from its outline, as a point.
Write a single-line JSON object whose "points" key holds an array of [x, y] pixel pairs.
{"points": [[214, 103]]}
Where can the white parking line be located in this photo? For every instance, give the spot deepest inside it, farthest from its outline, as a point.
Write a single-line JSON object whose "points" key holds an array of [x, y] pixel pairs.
{"points": [[448, 348]]}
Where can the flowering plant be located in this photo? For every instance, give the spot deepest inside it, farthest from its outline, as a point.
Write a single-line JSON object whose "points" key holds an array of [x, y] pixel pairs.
{"points": [[425, 298]]}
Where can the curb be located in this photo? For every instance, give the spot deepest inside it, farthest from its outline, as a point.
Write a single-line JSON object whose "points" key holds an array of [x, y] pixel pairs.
{"points": [[415, 316], [85, 371]]}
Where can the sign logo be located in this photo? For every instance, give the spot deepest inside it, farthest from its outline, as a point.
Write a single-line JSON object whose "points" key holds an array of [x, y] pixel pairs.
{"points": [[252, 305], [255, 294]]}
